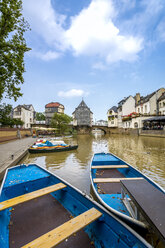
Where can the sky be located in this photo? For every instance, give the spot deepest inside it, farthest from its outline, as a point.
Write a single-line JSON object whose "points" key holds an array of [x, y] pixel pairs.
{"points": [[97, 50]]}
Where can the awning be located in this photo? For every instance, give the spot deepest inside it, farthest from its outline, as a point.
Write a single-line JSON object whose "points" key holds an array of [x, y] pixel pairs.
{"points": [[156, 118], [45, 128]]}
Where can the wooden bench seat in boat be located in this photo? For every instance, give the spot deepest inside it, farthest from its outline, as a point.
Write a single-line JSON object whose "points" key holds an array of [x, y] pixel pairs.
{"points": [[115, 180], [150, 201], [29, 196], [109, 166], [59, 234]]}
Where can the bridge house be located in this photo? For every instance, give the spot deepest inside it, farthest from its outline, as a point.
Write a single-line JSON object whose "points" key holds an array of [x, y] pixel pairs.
{"points": [[82, 116], [50, 109]]}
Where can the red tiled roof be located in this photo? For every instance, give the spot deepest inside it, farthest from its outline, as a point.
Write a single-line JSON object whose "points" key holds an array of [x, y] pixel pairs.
{"points": [[53, 104]]}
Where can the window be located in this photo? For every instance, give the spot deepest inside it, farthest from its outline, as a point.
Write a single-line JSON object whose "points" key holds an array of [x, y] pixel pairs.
{"points": [[17, 113], [145, 108], [142, 109], [138, 110], [135, 124]]}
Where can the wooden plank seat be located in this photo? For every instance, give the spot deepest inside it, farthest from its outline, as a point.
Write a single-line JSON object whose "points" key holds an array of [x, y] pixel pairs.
{"points": [[149, 200], [59, 234], [114, 180], [109, 166], [29, 196]]}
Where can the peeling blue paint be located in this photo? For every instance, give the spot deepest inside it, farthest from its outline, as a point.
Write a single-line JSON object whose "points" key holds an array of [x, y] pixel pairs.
{"points": [[27, 173]]}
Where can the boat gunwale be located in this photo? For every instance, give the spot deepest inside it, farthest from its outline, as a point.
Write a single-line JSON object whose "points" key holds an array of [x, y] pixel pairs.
{"points": [[98, 205], [112, 210]]}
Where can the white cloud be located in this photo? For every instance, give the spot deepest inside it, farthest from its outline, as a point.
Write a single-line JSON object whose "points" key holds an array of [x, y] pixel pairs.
{"points": [[45, 22], [152, 7], [92, 32], [72, 93], [161, 30], [99, 66], [50, 55], [142, 22]]}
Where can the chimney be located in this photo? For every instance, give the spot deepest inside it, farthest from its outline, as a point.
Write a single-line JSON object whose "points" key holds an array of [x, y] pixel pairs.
{"points": [[137, 97]]}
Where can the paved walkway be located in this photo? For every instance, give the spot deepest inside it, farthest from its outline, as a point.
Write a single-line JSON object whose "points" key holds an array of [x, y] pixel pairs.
{"points": [[12, 152]]}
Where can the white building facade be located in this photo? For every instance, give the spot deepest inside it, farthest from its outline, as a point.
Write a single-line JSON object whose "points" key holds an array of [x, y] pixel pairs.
{"points": [[112, 117], [25, 113], [161, 104], [125, 107], [148, 105]]}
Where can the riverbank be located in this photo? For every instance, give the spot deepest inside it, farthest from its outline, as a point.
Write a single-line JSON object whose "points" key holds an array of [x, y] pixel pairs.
{"points": [[138, 132], [9, 134], [12, 152]]}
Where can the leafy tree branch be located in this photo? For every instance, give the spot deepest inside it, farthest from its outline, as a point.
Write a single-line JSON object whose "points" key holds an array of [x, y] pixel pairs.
{"points": [[12, 48]]}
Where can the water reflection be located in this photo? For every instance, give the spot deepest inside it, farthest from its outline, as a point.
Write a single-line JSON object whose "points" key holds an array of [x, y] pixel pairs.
{"points": [[145, 153]]}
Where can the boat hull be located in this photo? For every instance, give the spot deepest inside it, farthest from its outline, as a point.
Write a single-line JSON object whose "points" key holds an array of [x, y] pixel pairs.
{"points": [[107, 231], [61, 149], [103, 192]]}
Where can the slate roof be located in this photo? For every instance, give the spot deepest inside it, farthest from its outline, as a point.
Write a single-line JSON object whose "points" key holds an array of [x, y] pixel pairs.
{"points": [[162, 97], [145, 99], [53, 105], [114, 108], [28, 106], [82, 105], [101, 121], [22, 106], [122, 101]]}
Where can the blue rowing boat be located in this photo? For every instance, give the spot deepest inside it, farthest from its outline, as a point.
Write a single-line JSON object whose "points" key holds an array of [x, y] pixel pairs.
{"points": [[38, 209], [129, 194]]}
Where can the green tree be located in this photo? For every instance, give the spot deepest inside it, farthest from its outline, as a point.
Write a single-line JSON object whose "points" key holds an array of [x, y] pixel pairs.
{"points": [[5, 114], [40, 116], [61, 122], [12, 48], [17, 122]]}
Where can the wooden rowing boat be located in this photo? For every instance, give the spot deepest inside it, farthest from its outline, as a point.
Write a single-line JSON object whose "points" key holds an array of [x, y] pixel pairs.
{"points": [[128, 193], [40, 210], [52, 149]]}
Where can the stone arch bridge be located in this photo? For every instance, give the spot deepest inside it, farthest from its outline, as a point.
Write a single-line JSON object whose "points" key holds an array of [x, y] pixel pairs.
{"points": [[88, 129]]}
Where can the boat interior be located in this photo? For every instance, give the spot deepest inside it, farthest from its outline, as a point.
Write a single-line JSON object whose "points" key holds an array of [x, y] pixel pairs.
{"points": [[126, 190], [38, 210], [107, 172], [32, 219], [32, 212]]}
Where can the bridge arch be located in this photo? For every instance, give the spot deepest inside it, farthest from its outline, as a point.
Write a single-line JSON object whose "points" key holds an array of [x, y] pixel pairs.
{"points": [[100, 128], [88, 129]]}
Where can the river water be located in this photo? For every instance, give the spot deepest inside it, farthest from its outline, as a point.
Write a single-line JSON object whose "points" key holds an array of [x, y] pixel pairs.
{"points": [[145, 153]]}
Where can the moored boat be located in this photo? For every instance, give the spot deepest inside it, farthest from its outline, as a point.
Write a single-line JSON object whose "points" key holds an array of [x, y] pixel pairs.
{"points": [[46, 146], [38, 209], [52, 149], [128, 193]]}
